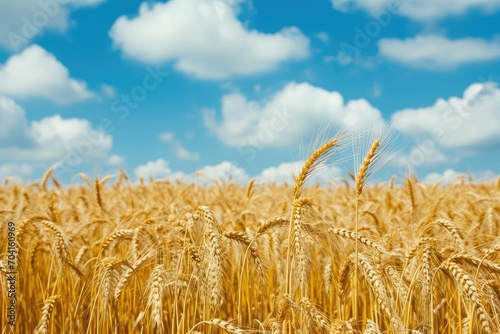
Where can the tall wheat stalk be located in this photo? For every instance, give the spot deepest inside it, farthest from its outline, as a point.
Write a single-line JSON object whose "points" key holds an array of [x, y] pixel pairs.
{"points": [[361, 178]]}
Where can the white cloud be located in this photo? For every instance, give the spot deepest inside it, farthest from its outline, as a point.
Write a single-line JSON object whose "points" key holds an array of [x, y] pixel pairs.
{"points": [[116, 160], [36, 73], [13, 120], [468, 122], [376, 89], [292, 114], [15, 172], [55, 135], [285, 172], [82, 3], [22, 20], [158, 169], [424, 153], [108, 91], [225, 171], [178, 149], [322, 36], [422, 10], [450, 176], [167, 137], [182, 153], [353, 59], [50, 138], [434, 52], [202, 42]]}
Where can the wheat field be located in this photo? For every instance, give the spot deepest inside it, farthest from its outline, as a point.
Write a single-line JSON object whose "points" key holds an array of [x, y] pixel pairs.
{"points": [[110, 256]]}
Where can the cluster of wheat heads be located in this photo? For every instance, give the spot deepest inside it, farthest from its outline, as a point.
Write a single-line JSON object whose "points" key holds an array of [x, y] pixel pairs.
{"points": [[166, 257]]}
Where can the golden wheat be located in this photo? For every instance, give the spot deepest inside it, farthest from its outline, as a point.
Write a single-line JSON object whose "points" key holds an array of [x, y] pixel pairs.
{"points": [[179, 258]]}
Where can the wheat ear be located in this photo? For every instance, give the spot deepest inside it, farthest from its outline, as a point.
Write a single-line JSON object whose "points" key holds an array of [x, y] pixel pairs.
{"points": [[365, 166], [245, 241], [98, 193], [222, 324], [115, 236], [45, 179], [314, 314], [468, 285], [43, 325], [352, 235], [155, 300], [314, 161], [372, 328]]}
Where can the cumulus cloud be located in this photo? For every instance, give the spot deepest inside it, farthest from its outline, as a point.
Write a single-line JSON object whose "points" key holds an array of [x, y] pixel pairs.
{"points": [[444, 132], [182, 153], [22, 20], [422, 10], [13, 122], [285, 172], [204, 40], [37, 73], [376, 90], [291, 114], [82, 3], [116, 160], [346, 58], [451, 176], [423, 154], [225, 171], [15, 172], [50, 138], [56, 135], [158, 169], [177, 148], [322, 36], [434, 52], [108, 91], [167, 137], [468, 122]]}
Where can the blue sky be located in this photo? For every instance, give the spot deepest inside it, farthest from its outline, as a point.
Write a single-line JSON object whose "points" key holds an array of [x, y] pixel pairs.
{"points": [[239, 88]]}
